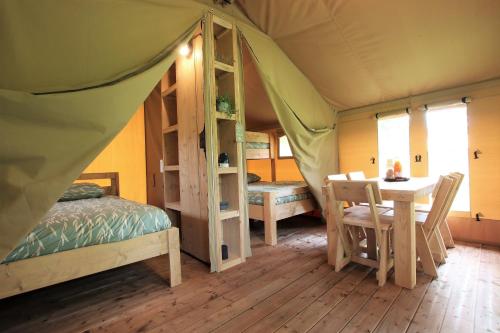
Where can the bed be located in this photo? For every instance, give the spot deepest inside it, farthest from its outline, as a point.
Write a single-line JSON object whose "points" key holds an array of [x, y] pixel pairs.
{"points": [[83, 237], [273, 201]]}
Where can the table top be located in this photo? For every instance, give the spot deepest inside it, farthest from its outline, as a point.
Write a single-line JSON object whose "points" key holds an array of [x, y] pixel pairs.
{"points": [[411, 190]]}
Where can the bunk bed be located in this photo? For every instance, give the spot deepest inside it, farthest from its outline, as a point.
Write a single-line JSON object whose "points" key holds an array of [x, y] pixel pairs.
{"points": [[82, 237], [273, 201]]}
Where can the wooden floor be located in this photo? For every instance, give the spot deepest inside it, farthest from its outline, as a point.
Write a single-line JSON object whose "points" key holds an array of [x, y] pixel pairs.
{"points": [[288, 288]]}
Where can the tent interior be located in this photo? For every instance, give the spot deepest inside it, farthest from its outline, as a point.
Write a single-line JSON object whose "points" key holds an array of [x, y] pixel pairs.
{"points": [[249, 165]]}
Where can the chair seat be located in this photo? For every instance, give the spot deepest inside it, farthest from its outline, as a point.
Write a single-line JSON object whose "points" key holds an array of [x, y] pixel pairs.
{"points": [[360, 216], [420, 217], [385, 204]]}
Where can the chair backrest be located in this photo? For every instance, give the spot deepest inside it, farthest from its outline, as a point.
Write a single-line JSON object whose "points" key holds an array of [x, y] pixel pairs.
{"points": [[457, 181], [339, 176], [355, 190], [439, 207], [356, 175], [338, 191]]}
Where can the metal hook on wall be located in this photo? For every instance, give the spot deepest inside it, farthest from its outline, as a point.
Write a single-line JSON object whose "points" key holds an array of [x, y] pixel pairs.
{"points": [[477, 152], [372, 160]]}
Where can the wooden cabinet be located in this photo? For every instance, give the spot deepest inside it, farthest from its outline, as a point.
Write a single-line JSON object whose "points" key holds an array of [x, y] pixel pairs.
{"points": [[184, 161], [154, 147]]}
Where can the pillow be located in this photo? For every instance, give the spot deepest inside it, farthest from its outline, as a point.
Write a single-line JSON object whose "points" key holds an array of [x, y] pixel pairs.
{"points": [[82, 191], [252, 178]]}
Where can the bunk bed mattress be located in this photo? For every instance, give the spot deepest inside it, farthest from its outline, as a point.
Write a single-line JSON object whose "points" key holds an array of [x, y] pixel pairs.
{"points": [[283, 189], [80, 223]]}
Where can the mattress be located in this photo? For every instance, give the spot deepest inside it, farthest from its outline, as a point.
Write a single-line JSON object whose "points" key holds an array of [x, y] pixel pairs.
{"points": [[80, 223], [282, 189]]}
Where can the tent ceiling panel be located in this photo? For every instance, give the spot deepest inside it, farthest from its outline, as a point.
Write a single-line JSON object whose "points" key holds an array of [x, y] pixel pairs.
{"points": [[359, 53]]}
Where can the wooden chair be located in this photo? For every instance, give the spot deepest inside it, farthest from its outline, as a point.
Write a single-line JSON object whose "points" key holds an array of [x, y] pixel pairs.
{"points": [[360, 175], [360, 233], [343, 223], [370, 235], [444, 229], [427, 224]]}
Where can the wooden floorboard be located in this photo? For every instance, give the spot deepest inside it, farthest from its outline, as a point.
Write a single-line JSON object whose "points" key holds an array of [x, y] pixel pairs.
{"points": [[286, 288]]}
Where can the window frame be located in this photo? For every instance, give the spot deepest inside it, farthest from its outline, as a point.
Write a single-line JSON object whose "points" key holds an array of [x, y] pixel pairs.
{"points": [[279, 135]]}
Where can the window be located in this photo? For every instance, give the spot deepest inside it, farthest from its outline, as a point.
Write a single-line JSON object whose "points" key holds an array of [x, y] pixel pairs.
{"points": [[394, 143], [284, 150], [448, 142]]}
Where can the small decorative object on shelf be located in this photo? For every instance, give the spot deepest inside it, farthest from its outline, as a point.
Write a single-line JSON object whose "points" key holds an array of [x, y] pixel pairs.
{"points": [[223, 160], [394, 172], [224, 205], [224, 104], [390, 171], [398, 169], [225, 252]]}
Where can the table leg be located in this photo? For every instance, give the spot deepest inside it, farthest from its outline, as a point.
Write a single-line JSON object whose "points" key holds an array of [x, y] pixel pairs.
{"points": [[405, 258]]}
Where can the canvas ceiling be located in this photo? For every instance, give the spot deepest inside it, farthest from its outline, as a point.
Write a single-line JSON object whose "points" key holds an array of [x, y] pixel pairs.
{"points": [[359, 53]]}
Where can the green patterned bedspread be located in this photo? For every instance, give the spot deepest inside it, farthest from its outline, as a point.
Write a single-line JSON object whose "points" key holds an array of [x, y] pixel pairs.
{"points": [[283, 189], [74, 224]]}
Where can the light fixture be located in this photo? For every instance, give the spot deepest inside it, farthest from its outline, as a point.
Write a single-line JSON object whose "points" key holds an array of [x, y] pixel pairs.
{"points": [[184, 50]]}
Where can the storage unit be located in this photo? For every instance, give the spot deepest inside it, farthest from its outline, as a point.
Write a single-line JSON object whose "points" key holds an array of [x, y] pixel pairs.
{"points": [[197, 191]]}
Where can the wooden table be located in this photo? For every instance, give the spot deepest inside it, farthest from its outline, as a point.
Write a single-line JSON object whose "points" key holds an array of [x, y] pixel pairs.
{"points": [[404, 195]]}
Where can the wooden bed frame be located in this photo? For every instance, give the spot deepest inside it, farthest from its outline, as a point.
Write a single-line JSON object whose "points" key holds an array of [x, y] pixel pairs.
{"points": [[33, 273], [270, 213]]}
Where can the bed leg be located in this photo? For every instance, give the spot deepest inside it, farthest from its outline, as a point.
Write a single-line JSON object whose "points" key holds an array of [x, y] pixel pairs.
{"points": [[270, 226], [174, 257]]}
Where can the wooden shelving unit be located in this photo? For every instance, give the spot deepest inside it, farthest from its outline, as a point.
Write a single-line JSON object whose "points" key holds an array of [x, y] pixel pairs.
{"points": [[194, 183], [170, 130], [226, 129]]}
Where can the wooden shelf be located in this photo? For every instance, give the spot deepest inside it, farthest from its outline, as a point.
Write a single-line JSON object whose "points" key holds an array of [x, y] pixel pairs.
{"points": [[169, 90], [229, 214], [230, 262], [228, 170], [224, 116], [223, 67], [171, 168], [173, 205], [229, 226], [171, 129]]}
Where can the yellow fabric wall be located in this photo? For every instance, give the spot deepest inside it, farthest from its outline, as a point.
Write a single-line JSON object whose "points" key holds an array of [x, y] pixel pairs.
{"points": [[358, 140], [286, 169], [261, 168], [126, 154]]}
